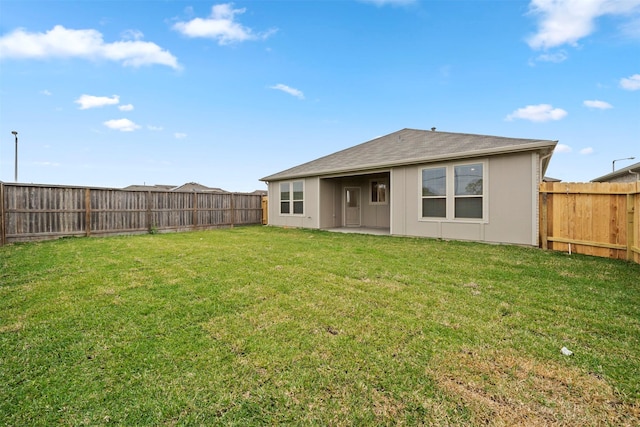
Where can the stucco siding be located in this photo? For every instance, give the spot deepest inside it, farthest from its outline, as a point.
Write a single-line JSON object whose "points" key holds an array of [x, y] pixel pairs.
{"points": [[511, 200], [509, 204], [624, 178], [374, 215], [310, 218], [329, 204]]}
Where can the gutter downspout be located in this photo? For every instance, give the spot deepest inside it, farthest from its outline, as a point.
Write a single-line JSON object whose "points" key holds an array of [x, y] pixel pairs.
{"points": [[542, 159]]}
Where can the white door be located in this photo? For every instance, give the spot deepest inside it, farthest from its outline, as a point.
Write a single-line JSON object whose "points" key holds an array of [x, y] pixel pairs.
{"points": [[352, 207]]}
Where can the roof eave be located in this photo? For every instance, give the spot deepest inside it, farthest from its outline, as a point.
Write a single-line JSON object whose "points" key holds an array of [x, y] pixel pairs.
{"points": [[616, 174]]}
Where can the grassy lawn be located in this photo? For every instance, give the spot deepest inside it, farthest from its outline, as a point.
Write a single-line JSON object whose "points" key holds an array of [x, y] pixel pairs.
{"points": [[260, 325]]}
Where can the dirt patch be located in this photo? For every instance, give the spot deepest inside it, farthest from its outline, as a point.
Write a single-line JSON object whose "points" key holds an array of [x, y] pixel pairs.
{"points": [[13, 327], [508, 389]]}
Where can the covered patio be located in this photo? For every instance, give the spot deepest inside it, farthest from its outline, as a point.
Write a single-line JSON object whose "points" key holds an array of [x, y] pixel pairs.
{"points": [[356, 203]]}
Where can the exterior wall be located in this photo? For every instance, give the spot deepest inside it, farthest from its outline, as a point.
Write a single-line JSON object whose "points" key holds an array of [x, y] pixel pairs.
{"points": [[628, 177], [311, 216], [513, 206], [511, 203], [330, 204]]}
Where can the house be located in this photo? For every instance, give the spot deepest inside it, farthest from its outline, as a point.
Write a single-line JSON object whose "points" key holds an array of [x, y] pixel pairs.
{"points": [[419, 183], [194, 187], [628, 174], [158, 187], [190, 187]]}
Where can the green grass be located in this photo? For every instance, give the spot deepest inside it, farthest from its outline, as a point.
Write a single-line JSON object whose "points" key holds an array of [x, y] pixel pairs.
{"points": [[260, 325]]}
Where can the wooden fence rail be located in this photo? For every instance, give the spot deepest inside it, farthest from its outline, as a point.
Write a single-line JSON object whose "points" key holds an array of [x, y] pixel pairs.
{"points": [[601, 219], [41, 212]]}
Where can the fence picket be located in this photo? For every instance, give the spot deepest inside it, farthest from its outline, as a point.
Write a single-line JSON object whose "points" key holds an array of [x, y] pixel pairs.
{"points": [[600, 219]]}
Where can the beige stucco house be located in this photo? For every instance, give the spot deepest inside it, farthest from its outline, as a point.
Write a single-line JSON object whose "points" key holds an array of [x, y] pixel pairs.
{"points": [[419, 183]]}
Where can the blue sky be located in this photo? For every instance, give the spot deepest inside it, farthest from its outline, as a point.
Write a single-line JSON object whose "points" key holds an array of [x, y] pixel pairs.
{"points": [[113, 93]]}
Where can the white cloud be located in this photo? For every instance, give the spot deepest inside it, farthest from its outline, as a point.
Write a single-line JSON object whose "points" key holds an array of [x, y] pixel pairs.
{"points": [[567, 21], [220, 26], [562, 148], [46, 92], [538, 113], [123, 125], [600, 105], [291, 91], [180, 135], [154, 128], [61, 42], [631, 83], [132, 35], [126, 107], [90, 101], [556, 57]]}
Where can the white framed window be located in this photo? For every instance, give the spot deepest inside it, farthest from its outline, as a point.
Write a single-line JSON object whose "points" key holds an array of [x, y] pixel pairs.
{"points": [[379, 191], [454, 192], [434, 193], [468, 191], [292, 198]]}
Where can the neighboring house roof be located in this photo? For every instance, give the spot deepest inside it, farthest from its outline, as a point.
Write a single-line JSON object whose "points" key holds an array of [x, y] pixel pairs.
{"points": [[412, 146], [635, 168], [197, 188], [550, 179], [149, 187], [188, 187]]}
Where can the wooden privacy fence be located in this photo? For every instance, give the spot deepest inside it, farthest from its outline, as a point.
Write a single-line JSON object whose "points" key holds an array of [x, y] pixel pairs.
{"points": [[41, 212], [601, 219]]}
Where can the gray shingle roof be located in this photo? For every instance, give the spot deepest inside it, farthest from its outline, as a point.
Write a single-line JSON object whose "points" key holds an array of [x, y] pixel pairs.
{"points": [[620, 172], [411, 146]]}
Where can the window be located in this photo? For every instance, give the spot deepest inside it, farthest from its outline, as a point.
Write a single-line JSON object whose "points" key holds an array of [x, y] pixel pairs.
{"points": [[453, 192], [379, 192], [292, 198], [468, 191], [434, 192], [285, 198]]}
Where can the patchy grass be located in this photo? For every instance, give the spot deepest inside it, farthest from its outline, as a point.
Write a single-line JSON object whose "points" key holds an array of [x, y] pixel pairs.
{"points": [[263, 325]]}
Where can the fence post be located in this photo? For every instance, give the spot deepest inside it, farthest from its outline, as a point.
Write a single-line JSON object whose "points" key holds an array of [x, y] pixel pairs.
{"points": [[233, 209], [194, 207], [630, 225], [265, 210], [149, 225], [544, 229], [2, 226], [87, 212]]}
